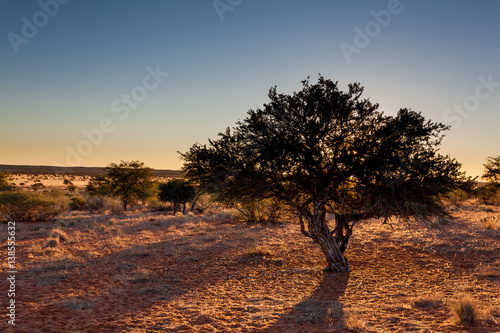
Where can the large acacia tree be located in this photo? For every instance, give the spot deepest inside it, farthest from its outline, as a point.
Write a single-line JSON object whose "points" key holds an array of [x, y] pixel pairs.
{"points": [[324, 150]]}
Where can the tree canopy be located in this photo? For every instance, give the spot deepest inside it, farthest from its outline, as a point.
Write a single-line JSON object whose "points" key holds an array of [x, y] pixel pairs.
{"points": [[129, 181], [492, 169], [322, 149], [178, 191]]}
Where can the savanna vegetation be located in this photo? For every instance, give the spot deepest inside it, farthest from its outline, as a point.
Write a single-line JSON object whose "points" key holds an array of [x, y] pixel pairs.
{"points": [[322, 163]]}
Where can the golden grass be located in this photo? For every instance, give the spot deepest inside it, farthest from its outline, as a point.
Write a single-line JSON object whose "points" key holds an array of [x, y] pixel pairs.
{"points": [[427, 301], [59, 234], [258, 251], [466, 309], [198, 274], [490, 223], [52, 242]]}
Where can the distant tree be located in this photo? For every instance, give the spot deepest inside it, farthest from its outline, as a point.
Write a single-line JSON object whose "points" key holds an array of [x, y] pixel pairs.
{"points": [[129, 181], [178, 192], [98, 186], [492, 169], [323, 150]]}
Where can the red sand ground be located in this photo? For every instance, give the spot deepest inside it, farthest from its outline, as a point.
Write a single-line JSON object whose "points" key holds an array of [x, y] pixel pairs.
{"points": [[153, 272]]}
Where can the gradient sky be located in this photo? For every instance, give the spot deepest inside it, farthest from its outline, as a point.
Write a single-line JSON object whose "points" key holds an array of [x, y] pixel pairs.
{"points": [[64, 84]]}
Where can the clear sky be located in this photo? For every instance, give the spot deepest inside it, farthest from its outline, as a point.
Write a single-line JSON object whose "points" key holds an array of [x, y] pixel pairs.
{"points": [[90, 82]]}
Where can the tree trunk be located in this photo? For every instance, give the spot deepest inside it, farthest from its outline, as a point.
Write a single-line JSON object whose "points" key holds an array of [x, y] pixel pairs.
{"points": [[342, 231], [322, 236], [195, 201], [193, 204]]}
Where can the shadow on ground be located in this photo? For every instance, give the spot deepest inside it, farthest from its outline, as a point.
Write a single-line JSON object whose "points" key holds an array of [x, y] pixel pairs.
{"points": [[321, 312]]}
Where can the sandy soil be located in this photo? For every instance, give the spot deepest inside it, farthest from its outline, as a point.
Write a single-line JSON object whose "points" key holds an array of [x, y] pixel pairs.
{"points": [[153, 272], [48, 181]]}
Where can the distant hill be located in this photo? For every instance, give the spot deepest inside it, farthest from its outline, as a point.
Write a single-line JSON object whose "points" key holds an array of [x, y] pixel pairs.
{"points": [[87, 171]]}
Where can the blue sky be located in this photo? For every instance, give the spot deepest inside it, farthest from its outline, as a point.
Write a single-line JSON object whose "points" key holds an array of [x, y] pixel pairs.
{"points": [[67, 67]]}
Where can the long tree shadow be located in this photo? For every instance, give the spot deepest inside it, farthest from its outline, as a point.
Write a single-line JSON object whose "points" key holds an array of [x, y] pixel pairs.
{"points": [[321, 312], [105, 293]]}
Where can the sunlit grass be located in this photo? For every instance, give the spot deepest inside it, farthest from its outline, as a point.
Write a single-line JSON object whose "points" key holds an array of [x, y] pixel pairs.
{"points": [[490, 223], [466, 309]]}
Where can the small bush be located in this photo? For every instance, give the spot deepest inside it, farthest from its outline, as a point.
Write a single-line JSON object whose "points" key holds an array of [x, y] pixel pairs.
{"points": [[226, 215], [69, 185], [466, 310], [260, 211], [101, 205], [490, 223], [488, 194], [159, 206], [4, 181], [77, 203], [26, 206], [37, 186], [56, 193], [457, 197]]}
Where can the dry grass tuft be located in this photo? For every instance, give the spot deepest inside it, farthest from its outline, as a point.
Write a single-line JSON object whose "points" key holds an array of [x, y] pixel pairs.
{"points": [[427, 301], [355, 323], [466, 310], [258, 252], [117, 240], [59, 234], [56, 236], [141, 275], [53, 242], [76, 304], [490, 223]]}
